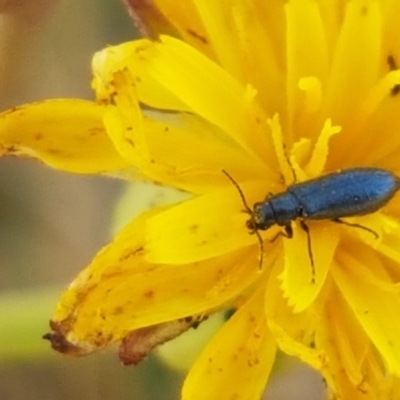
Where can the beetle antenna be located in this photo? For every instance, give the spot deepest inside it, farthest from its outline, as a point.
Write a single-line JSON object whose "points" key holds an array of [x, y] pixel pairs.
{"points": [[261, 245], [240, 191], [290, 164], [249, 211]]}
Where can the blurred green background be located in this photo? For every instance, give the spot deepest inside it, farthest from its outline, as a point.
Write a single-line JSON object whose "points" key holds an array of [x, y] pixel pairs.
{"points": [[51, 224]]}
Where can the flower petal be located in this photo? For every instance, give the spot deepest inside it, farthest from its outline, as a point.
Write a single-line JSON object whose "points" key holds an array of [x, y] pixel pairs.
{"points": [[114, 59], [120, 292], [383, 151], [376, 310], [160, 145], [307, 57], [185, 18], [298, 283], [238, 360], [65, 134], [239, 32], [138, 344], [294, 332], [389, 245], [353, 368], [201, 228], [203, 86], [355, 67]]}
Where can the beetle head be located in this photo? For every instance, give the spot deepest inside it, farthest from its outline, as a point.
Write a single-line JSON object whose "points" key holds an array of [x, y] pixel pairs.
{"points": [[261, 217]]}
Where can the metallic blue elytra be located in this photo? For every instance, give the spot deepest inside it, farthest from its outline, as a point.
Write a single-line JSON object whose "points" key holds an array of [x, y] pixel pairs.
{"points": [[348, 193]]}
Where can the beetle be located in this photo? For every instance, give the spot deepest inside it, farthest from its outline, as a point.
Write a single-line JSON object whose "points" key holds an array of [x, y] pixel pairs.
{"points": [[346, 193]]}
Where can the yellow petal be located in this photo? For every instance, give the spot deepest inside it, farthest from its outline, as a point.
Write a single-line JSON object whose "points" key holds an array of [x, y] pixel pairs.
{"points": [[391, 34], [159, 144], [383, 152], [390, 389], [120, 292], [388, 246], [114, 59], [294, 332], [204, 227], [203, 86], [317, 163], [353, 368], [65, 134], [200, 170], [237, 362], [359, 44], [306, 56], [376, 310], [184, 17], [239, 32], [221, 25], [369, 264], [299, 283]]}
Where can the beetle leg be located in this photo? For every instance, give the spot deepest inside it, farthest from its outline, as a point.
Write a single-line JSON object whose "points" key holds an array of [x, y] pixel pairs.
{"points": [[304, 226], [365, 228], [288, 231], [268, 196], [287, 234]]}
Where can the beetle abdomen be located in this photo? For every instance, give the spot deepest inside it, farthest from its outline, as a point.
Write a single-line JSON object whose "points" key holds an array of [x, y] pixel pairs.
{"points": [[346, 193]]}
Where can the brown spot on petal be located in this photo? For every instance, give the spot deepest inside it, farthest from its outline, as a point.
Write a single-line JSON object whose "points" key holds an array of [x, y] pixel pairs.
{"points": [[8, 150], [95, 131], [391, 62], [197, 36], [395, 90], [149, 294], [57, 152], [128, 253], [59, 342], [130, 141], [194, 228], [117, 310]]}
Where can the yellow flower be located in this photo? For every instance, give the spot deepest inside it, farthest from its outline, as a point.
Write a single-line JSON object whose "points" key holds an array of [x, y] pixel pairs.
{"points": [[268, 92]]}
